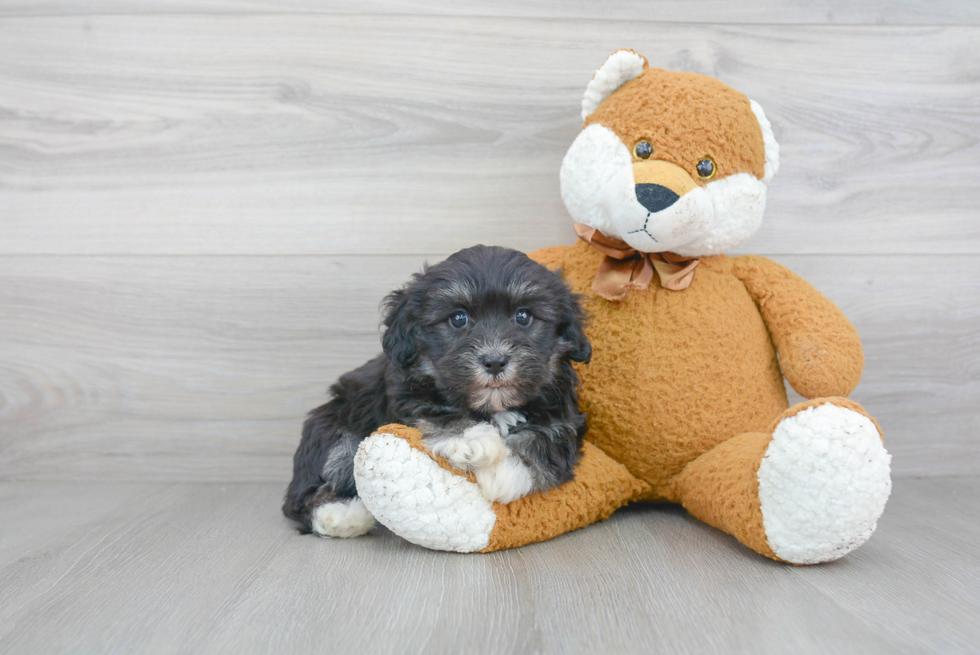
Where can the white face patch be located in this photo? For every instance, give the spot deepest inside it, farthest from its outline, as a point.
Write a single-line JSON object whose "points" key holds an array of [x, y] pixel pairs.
{"points": [[598, 188], [737, 205], [594, 158]]}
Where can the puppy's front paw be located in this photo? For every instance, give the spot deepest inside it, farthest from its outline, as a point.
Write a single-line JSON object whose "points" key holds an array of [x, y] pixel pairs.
{"points": [[478, 447], [505, 481]]}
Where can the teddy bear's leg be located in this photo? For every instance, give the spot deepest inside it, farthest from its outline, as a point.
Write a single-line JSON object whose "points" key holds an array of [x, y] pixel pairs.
{"points": [[809, 491], [425, 501]]}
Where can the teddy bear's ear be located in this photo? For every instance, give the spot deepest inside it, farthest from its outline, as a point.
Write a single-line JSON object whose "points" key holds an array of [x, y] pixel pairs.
{"points": [[772, 148], [620, 68]]}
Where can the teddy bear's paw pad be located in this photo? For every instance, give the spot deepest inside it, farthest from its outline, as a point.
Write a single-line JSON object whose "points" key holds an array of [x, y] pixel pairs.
{"points": [[342, 519], [823, 484], [420, 501]]}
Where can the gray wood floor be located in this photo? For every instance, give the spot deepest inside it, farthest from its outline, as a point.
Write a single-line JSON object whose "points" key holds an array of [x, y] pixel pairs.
{"points": [[201, 204], [213, 568], [203, 201]]}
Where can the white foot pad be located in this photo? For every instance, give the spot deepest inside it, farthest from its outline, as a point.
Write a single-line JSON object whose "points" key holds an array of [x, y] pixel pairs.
{"points": [[823, 484], [419, 500], [342, 519]]}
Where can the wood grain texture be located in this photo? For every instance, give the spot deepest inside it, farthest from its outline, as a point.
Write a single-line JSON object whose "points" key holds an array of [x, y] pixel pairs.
{"points": [[215, 568], [339, 134], [201, 204], [171, 368], [837, 12]]}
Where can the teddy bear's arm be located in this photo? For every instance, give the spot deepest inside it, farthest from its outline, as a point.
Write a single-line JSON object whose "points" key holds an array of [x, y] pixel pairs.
{"points": [[819, 350]]}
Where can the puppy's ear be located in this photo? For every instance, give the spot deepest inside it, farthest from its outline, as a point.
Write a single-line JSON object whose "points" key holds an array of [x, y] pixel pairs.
{"points": [[400, 340], [574, 331], [581, 348]]}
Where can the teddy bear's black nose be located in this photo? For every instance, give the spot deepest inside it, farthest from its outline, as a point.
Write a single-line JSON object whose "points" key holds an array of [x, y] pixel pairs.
{"points": [[655, 197]]}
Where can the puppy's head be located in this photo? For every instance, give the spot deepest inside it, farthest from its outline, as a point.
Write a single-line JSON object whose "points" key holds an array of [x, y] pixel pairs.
{"points": [[490, 327]]}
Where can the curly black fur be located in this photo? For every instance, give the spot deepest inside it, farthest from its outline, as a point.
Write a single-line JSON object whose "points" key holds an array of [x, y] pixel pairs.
{"points": [[438, 375]]}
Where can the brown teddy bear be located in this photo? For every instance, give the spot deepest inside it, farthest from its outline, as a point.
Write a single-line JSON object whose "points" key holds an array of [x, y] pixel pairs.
{"points": [[685, 392]]}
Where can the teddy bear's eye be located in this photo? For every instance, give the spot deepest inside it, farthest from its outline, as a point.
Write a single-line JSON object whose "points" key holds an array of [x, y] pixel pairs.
{"points": [[643, 150], [706, 168]]}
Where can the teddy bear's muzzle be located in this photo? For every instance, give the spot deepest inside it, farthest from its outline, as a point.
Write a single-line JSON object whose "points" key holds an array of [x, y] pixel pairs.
{"points": [[659, 184]]}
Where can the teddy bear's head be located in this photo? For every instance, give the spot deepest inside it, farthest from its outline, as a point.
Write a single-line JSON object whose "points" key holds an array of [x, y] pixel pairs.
{"points": [[668, 162]]}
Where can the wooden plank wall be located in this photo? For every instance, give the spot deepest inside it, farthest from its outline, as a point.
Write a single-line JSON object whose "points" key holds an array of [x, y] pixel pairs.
{"points": [[201, 203]]}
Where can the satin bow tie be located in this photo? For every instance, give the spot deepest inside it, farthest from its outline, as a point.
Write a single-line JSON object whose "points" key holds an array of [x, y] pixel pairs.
{"points": [[625, 268]]}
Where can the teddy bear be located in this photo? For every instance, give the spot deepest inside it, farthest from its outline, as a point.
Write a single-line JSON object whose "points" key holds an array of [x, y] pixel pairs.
{"points": [[685, 392]]}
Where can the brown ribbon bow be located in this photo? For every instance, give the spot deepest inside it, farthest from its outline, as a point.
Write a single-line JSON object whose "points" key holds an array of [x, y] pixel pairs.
{"points": [[625, 268]]}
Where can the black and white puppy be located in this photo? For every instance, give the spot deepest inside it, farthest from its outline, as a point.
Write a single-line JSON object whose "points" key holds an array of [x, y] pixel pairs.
{"points": [[477, 356]]}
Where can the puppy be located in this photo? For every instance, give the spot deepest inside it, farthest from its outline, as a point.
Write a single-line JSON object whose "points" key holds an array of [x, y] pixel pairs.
{"points": [[477, 356]]}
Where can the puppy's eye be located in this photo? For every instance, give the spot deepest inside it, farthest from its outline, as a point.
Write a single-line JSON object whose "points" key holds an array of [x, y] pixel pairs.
{"points": [[706, 168], [523, 317], [459, 319], [643, 150]]}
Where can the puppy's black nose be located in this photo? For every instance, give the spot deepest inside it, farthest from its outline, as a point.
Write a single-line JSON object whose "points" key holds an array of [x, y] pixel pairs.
{"points": [[494, 364], [655, 196]]}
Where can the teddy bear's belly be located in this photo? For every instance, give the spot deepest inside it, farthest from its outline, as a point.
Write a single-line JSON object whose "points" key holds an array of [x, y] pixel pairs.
{"points": [[674, 373]]}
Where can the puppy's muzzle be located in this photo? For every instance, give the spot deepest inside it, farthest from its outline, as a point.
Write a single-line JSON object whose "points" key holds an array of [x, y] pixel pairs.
{"points": [[659, 184]]}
